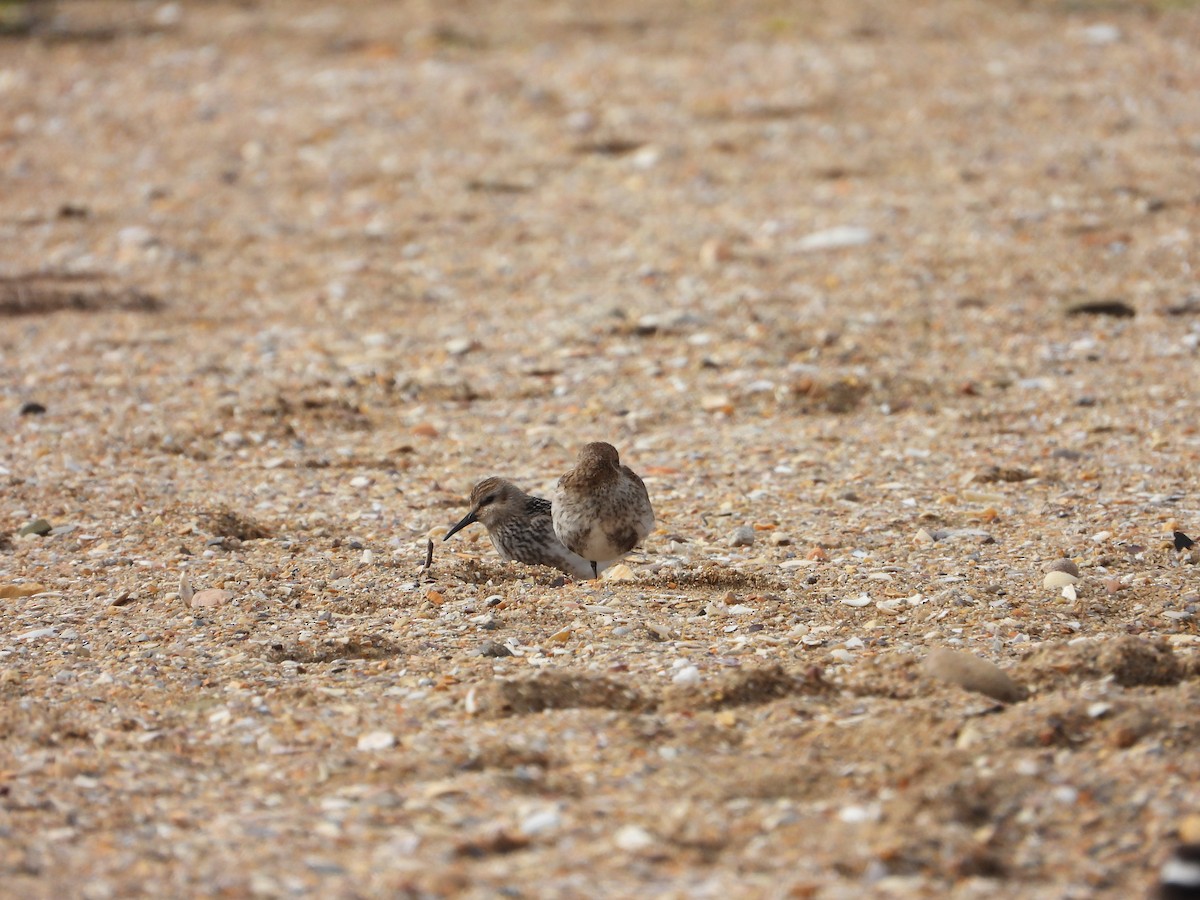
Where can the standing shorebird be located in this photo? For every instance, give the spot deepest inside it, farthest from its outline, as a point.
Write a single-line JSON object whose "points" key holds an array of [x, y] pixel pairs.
{"points": [[601, 508], [1180, 876], [520, 527]]}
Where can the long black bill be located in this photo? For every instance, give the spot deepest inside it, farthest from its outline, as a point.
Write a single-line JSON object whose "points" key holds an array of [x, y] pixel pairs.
{"points": [[468, 519]]}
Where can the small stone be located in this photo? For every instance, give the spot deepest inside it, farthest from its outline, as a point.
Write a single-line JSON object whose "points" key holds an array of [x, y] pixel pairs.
{"points": [[37, 633], [713, 252], [360, 481], [210, 598], [1059, 579], [493, 650], [632, 838], [1189, 829], [836, 238], [1100, 34], [185, 590], [32, 408], [742, 536], [857, 602], [1063, 565], [656, 632], [619, 572], [461, 346], [923, 537], [39, 527], [714, 403], [686, 675], [376, 740], [1099, 709], [780, 539], [135, 236], [168, 14], [542, 821], [973, 674], [561, 636], [856, 814]]}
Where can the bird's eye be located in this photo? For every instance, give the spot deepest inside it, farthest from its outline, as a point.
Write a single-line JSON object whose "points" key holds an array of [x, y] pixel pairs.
{"points": [[488, 499]]}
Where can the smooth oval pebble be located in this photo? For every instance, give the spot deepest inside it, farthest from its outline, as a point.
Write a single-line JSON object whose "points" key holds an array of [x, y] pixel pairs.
{"points": [[1063, 565], [377, 740], [857, 602], [687, 675], [1058, 579], [210, 598], [742, 536], [619, 572], [632, 838], [973, 674]]}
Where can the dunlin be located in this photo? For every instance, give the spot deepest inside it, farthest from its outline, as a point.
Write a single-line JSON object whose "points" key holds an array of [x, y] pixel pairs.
{"points": [[1180, 876], [521, 527], [601, 508]]}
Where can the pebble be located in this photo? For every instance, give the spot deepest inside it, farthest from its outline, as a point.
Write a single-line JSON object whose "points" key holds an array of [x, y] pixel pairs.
{"points": [[1100, 34], [493, 650], [135, 236], [39, 527], [686, 675], [1059, 579], [210, 598], [857, 602], [632, 838], [1063, 565], [1099, 709], [37, 633], [973, 674], [377, 740], [742, 536], [619, 572], [836, 238], [360, 481], [859, 815], [541, 821]]}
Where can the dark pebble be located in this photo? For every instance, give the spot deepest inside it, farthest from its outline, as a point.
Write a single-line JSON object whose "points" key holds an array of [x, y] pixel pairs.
{"points": [[493, 650]]}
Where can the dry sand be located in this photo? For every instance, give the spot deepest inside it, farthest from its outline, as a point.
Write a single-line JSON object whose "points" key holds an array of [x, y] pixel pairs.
{"points": [[892, 305]]}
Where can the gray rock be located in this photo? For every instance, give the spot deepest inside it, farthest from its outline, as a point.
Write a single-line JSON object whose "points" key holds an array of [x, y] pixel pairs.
{"points": [[493, 649], [742, 536], [971, 673]]}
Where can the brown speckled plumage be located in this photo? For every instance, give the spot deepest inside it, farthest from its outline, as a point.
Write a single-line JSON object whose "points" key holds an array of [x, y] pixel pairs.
{"points": [[601, 508], [520, 526]]}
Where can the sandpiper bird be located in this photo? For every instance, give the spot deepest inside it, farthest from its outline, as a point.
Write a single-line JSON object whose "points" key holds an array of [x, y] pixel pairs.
{"points": [[601, 509], [1180, 876], [520, 527]]}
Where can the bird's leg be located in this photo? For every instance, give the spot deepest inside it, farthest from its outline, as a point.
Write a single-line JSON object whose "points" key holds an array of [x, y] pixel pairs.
{"points": [[595, 574]]}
